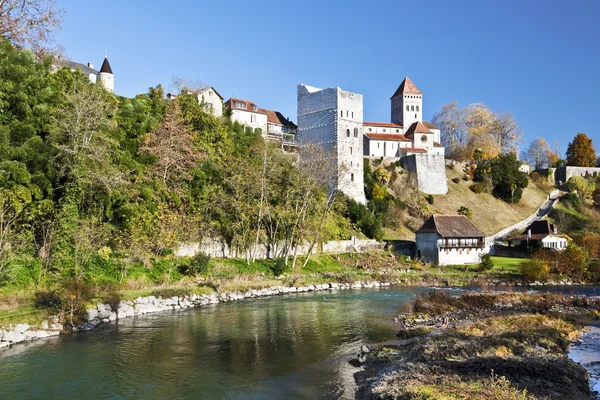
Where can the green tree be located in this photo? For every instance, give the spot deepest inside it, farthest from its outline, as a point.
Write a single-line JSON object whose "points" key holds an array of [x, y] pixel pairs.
{"points": [[580, 152]]}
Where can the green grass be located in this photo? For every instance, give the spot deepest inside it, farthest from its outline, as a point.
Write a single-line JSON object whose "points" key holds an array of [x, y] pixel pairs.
{"points": [[23, 315], [507, 264]]}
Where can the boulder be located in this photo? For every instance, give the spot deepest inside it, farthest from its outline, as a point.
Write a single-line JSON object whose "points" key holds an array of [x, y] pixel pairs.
{"points": [[104, 314], [21, 328], [18, 338], [45, 324], [4, 344], [91, 314]]}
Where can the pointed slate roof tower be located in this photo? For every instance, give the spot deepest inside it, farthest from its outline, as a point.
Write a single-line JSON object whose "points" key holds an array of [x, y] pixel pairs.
{"points": [[106, 66], [406, 87]]}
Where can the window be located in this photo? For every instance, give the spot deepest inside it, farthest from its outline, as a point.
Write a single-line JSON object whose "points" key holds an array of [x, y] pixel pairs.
{"points": [[412, 108], [341, 113], [417, 108], [240, 105], [407, 108], [352, 114], [347, 132], [384, 131], [352, 177], [377, 144], [255, 108], [350, 163], [347, 113], [350, 150], [370, 129], [355, 132]]}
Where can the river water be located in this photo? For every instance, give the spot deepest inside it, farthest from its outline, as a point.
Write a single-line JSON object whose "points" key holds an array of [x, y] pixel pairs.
{"points": [[285, 347]]}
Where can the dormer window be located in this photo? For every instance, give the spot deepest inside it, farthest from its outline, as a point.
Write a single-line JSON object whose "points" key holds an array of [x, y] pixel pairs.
{"points": [[255, 108], [239, 104]]}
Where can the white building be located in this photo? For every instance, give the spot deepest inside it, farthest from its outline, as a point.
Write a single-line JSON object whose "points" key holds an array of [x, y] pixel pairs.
{"points": [[270, 123], [450, 240], [278, 125], [407, 134], [211, 100], [105, 76], [333, 118], [542, 234]]}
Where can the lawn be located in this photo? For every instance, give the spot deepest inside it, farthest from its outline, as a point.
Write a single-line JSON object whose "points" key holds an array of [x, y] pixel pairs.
{"points": [[507, 264]]}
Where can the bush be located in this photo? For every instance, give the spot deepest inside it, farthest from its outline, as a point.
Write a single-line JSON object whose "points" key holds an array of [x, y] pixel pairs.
{"points": [[582, 186], [113, 299], [430, 199], [279, 266], [400, 204], [456, 180], [486, 263], [49, 299], [535, 270], [466, 211], [482, 187], [198, 265]]}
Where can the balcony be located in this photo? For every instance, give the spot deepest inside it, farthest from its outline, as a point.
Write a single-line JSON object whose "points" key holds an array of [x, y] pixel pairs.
{"points": [[466, 243]]}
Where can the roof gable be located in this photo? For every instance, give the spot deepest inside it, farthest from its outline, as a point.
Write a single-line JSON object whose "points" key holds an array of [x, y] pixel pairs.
{"points": [[213, 89], [417, 127], [451, 226], [406, 87]]}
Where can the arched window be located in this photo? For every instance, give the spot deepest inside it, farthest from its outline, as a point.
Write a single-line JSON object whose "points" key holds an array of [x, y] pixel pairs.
{"points": [[347, 113], [347, 132], [352, 177], [417, 108], [412, 108], [352, 114], [355, 132], [342, 113], [370, 130], [350, 150], [407, 108]]}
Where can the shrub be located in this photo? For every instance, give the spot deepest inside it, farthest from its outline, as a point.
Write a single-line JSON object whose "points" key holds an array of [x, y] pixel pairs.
{"points": [[430, 199], [486, 263], [482, 187], [48, 299], [113, 298], [466, 211], [535, 270], [456, 180], [582, 186], [279, 266], [476, 188], [198, 265], [400, 204]]}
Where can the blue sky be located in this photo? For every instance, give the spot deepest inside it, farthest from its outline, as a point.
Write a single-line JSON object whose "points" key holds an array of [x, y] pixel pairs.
{"points": [[536, 59]]}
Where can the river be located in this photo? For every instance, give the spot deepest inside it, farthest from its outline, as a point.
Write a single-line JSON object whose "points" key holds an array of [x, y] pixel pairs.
{"points": [[285, 347]]}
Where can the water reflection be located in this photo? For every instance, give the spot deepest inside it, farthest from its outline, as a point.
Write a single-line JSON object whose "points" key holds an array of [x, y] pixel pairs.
{"points": [[293, 346]]}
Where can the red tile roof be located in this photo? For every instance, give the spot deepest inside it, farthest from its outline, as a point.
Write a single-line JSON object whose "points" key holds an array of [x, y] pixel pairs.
{"points": [[383, 124], [429, 125], [406, 87], [249, 106], [436, 144], [413, 150], [387, 136], [275, 117], [417, 127]]}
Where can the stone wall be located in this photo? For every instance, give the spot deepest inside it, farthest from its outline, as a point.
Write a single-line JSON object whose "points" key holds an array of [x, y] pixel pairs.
{"points": [[215, 248], [562, 175], [429, 171]]}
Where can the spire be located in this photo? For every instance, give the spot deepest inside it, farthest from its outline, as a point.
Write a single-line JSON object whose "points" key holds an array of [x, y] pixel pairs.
{"points": [[106, 67], [406, 87]]}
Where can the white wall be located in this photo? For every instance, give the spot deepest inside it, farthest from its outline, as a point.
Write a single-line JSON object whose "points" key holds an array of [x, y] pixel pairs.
{"points": [[555, 242], [213, 102], [411, 116], [108, 81], [249, 118], [459, 256]]}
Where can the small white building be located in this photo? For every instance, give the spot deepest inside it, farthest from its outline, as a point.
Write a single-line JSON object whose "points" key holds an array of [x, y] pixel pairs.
{"points": [[525, 168], [450, 240], [542, 234], [211, 100]]}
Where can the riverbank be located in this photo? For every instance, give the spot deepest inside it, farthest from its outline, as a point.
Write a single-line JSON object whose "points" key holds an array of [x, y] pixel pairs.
{"points": [[481, 346]]}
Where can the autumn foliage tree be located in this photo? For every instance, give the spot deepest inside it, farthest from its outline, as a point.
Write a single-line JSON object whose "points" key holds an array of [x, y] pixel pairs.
{"points": [[580, 152], [29, 23]]}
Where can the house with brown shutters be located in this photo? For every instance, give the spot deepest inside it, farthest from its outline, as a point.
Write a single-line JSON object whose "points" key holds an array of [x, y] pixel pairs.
{"points": [[450, 240]]}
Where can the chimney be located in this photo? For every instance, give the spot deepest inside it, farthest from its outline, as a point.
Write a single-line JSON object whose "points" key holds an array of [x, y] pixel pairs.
{"points": [[91, 65]]}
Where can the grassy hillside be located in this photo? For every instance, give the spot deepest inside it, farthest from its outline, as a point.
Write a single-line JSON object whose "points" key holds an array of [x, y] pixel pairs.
{"points": [[488, 213]]}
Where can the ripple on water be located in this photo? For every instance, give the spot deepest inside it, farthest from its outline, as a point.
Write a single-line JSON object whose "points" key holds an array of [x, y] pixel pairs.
{"points": [[587, 353]]}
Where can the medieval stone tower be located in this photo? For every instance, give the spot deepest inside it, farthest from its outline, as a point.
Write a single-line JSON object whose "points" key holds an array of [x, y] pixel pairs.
{"points": [[107, 78], [333, 118], [407, 104]]}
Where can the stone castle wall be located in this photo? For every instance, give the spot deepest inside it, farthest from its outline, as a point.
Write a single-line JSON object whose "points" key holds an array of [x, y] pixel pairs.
{"points": [[429, 171], [562, 175]]}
